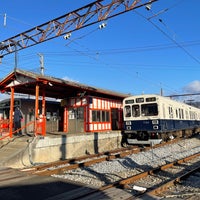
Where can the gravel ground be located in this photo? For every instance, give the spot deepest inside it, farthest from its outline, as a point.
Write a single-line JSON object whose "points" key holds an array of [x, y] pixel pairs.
{"points": [[188, 189], [107, 172]]}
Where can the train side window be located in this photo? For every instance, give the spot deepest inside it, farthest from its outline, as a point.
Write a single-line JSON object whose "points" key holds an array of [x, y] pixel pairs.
{"points": [[135, 111], [182, 113], [170, 112], [195, 115], [186, 114], [176, 113], [127, 111]]}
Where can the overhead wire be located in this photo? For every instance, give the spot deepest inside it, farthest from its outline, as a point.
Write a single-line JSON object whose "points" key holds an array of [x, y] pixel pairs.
{"points": [[178, 44], [103, 52], [156, 84], [128, 50], [164, 33]]}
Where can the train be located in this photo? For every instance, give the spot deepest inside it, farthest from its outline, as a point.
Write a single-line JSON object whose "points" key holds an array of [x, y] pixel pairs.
{"points": [[151, 119]]}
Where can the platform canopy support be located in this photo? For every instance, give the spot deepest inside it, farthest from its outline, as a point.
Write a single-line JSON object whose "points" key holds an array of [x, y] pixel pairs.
{"points": [[40, 119], [11, 113]]}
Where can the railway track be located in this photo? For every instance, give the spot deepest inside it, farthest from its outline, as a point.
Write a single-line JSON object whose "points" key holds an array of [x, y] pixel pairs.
{"points": [[88, 160], [127, 190], [74, 163], [43, 176]]}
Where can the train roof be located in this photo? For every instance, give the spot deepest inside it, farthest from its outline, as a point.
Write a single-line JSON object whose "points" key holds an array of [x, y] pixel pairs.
{"points": [[160, 97], [24, 82], [146, 95]]}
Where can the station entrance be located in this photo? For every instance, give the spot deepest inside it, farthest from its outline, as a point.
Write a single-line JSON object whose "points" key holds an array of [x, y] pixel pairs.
{"points": [[76, 120]]}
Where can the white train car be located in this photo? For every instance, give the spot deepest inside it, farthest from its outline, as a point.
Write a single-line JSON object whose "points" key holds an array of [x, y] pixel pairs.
{"points": [[151, 119]]}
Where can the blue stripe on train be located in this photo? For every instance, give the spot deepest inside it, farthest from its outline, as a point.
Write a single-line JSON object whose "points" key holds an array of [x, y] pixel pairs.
{"points": [[161, 125]]}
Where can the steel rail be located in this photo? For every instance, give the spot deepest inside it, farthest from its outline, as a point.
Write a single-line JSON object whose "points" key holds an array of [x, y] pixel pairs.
{"points": [[125, 182], [170, 183], [74, 163], [80, 162]]}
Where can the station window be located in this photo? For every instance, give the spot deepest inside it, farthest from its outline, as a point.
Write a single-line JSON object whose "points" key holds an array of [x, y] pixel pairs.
{"points": [[80, 113], [100, 116], [105, 116], [96, 115]]}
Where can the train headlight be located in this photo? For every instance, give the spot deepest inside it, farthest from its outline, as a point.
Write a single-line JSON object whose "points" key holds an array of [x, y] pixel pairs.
{"points": [[155, 121], [155, 127], [128, 128], [128, 122]]}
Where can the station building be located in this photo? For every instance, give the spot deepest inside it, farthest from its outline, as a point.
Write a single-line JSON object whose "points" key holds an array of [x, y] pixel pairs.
{"points": [[66, 114], [76, 108]]}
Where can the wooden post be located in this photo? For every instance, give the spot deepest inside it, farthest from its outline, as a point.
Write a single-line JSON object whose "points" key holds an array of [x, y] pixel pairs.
{"points": [[43, 113], [36, 107], [65, 121], [11, 113]]}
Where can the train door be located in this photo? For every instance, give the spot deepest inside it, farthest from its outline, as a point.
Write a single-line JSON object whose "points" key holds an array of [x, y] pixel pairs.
{"points": [[115, 119], [76, 120]]}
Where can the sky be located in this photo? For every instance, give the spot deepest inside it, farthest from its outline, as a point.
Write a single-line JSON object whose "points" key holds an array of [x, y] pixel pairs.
{"points": [[141, 51]]}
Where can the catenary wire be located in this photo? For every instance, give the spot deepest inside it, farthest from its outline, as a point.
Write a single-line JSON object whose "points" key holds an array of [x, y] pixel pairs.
{"points": [[168, 36]]}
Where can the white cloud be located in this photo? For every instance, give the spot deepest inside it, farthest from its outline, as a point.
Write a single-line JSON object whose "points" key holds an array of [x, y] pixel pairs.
{"points": [[193, 87]]}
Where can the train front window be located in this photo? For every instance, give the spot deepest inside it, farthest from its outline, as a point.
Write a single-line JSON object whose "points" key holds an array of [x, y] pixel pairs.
{"points": [[127, 111], [135, 111], [149, 109]]}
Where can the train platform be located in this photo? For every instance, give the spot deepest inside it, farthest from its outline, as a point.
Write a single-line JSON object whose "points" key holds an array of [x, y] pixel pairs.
{"points": [[12, 149], [27, 150]]}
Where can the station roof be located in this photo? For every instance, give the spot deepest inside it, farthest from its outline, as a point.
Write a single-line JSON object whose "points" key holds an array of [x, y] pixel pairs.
{"points": [[24, 82]]}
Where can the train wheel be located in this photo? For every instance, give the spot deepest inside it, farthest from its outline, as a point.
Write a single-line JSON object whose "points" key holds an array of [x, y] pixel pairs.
{"points": [[164, 137]]}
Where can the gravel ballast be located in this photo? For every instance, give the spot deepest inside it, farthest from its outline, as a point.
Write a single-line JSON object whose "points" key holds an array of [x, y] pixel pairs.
{"points": [[110, 171]]}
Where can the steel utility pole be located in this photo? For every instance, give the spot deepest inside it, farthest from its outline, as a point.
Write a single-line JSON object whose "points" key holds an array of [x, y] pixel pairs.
{"points": [[41, 63]]}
